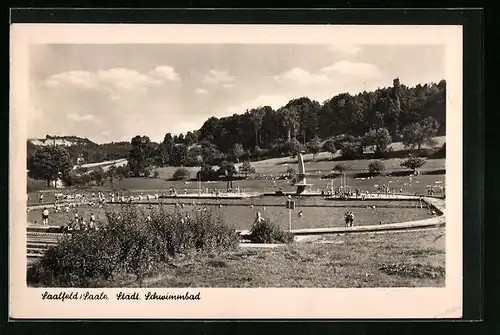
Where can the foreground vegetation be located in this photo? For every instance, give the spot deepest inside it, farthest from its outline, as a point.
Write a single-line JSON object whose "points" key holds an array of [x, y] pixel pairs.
{"points": [[405, 259], [392, 259], [132, 243]]}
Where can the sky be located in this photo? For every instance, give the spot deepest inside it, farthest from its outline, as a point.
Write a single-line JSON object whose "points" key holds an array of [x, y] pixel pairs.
{"points": [[112, 92]]}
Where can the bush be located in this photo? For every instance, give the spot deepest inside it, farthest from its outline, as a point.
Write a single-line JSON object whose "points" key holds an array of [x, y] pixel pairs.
{"points": [[290, 172], [269, 232], [341, 167], [207, 173], [130, 244], [376, 167], [78, 261], [181, 174], [246, 168], [413, 163], [350, 150]]}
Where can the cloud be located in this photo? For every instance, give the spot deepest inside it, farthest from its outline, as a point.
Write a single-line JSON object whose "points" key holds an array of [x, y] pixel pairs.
{"points": [[300, 76], [228, 85], [115, 79], [82, 118], [165, 72], [343, 70], [348, 49], [200, 91], [218, 76], [105, 133], [353, 69], [82, 79], [127, 79]]}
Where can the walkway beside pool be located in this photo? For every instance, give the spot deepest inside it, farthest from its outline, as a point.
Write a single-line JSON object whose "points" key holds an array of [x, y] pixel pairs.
{"points": [[434, 222]]}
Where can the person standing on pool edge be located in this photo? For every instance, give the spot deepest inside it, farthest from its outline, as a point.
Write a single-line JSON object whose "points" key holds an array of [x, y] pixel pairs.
{"points": [[351, 219], [45, 216]]}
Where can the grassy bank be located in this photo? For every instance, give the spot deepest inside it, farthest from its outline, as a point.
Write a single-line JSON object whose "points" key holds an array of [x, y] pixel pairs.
{"points": [[404, 259]]}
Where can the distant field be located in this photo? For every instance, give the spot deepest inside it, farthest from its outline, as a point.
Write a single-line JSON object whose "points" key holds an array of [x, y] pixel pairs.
{"points": [[397, 146], [322, 163], [318, 167]]}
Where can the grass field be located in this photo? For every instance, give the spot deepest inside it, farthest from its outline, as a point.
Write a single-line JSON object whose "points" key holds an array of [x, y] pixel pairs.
{"points": [[404, 259], [323, 163], [278, 166], [241, 213]]}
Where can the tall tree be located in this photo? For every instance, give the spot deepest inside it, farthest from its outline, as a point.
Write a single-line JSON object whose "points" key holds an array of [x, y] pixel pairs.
{"points": [[167, 148], [179, 153], [49, 163], [416, 134], [379, 139], [238, 151], [314, 146], [330, 147], [139, 155], [190, 138]]}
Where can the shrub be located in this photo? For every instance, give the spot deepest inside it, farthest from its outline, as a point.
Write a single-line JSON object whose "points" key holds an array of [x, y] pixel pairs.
{"points": [[266, 231], [376, 167], [181, 174], [341, 167], [131, 244], [413, 163], [78, 261], [330, 147], [290, 172], [207, 173], [350, 150], [246, 168]]}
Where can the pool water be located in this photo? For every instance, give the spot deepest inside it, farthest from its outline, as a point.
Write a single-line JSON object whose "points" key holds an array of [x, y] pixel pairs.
{"points": [[316, 212]]}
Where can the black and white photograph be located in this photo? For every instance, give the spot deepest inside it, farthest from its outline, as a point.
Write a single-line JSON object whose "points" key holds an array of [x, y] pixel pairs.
{"points": [[156, 170]]}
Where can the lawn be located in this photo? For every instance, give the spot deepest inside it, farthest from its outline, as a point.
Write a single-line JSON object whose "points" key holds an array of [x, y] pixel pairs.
{"points": [[241, 213], [403, 259], [321, 166]]}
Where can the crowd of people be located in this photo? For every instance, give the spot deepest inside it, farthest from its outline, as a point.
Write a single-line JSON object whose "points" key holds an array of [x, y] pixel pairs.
{"points": [[77, 223]]}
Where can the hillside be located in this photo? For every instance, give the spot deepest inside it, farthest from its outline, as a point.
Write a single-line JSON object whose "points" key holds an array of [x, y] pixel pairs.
{"points": [[82, 150], [66, 141]]}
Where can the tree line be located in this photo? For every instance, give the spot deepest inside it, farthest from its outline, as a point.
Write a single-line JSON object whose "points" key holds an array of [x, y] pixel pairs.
{"points": [[351, 124]]}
